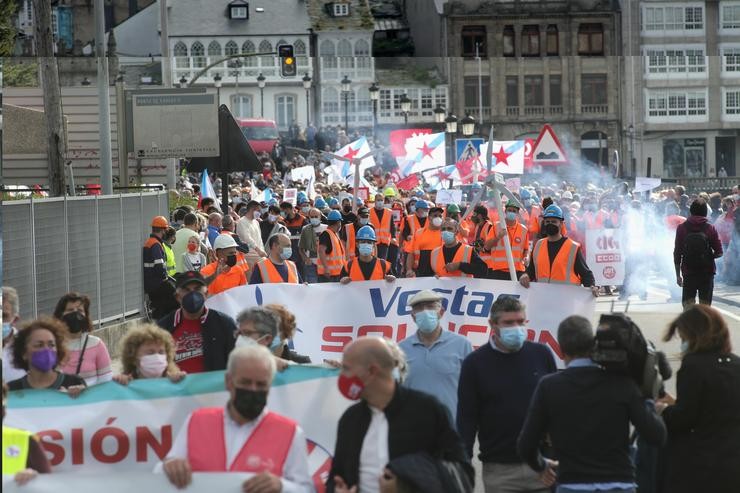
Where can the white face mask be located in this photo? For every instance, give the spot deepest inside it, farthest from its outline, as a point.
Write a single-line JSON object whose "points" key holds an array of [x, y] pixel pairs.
{"points": [[315, 221], [421, 214], [257, 214], [437, 222], [152, 365], [272, 218], [243, 340]]}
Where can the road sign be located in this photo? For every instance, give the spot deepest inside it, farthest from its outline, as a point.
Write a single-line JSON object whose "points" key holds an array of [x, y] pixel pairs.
{"points": [[547, 149], [175, 124], [467, 148]]}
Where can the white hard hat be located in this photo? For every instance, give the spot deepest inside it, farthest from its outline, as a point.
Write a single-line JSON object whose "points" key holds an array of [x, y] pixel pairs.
{"points": [[224, 241], [567, 195]]}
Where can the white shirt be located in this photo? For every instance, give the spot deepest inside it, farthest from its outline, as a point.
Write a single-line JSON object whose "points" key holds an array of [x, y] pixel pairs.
{"points": [[296, 478], [249, 232], [10, 372], [374, 453]]}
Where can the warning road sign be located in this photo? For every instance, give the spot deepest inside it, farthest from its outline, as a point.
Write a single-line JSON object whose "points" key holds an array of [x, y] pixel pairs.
{"points": [[467, 148], [547, 149]]}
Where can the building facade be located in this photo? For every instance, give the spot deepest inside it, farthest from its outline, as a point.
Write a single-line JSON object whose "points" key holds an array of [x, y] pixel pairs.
{"points": [[682, 86], [518, 65]]}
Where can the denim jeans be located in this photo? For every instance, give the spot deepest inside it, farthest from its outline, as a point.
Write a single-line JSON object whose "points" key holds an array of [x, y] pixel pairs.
{"points": [[310, 274]]}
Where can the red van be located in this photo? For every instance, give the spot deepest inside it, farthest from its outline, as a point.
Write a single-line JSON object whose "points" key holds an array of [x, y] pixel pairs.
{"points": [[262, 134]]}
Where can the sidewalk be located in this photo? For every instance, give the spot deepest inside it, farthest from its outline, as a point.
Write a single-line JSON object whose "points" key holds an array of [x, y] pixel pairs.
{"points": [[729, 295]]}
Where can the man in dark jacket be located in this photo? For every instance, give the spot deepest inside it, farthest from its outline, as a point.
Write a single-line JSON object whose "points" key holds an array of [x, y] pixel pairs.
{"points": [[391, 421], [587, 412], [203, 337], [157, 284], [697, 245]]}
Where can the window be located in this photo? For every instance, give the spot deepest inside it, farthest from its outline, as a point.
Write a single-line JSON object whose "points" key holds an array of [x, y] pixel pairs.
{"points": [[364, 104], [677, 105], [552, 40], [299, 49], [531, 40], [341, 9], [328, 59], [509, 41], [241, 106], [556, 91], [250, 61], [238, 12], [675, 61], [267, 62], [673, 18], [731, 60], [214, 49], [684, 157], [732, 102], [385, 102], [533, 94], [593, 89], [730, 15], [231, 48], [590, 39], [472, 37], [284, 110], [512, 91], [471, 92], [363, 60], [330, 100]]}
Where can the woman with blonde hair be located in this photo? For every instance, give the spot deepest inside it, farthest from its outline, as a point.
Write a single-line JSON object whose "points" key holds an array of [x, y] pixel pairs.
{"points": [[148, 351], [286, 331]]}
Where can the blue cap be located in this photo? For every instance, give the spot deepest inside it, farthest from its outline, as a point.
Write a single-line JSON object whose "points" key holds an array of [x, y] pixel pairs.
{"points": [[524, 194], [333, 201], [422, 204], [553, 211], [334, 215], [319, 203]]}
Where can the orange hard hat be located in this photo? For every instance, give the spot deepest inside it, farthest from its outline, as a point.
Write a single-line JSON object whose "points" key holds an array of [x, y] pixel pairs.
{"points": [[160, 222]]}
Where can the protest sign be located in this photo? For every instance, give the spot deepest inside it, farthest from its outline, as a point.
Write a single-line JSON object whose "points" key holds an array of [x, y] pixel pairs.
{"points": [[302, 173], [449, 196], [290, 195], [605, 257], [645, 184]]}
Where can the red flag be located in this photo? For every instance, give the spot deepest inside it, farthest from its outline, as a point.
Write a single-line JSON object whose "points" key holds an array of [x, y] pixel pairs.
{"points": [[408, 183], [398, 139], [465, 169]]}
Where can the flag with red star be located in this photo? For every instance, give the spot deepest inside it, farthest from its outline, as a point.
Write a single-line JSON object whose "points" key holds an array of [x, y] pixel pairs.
{"points": [[424, 152], [507, 156], [353, 150], [398, 138]]}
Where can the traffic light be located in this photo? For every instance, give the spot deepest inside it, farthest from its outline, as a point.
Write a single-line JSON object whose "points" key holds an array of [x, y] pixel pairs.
{"points": [[287, 61]]}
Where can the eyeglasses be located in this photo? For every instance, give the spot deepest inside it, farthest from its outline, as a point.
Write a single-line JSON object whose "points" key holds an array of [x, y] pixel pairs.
{"points": [[448, 229]]}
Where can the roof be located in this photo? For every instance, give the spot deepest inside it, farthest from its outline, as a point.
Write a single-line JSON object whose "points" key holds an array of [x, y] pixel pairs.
{"points": [[360, 18], [193, 18], [390, 24], [386, 8], [139, 34]]}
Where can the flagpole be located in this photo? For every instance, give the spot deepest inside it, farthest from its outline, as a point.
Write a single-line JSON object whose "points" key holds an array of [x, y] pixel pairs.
{"points": [[356, 186]]}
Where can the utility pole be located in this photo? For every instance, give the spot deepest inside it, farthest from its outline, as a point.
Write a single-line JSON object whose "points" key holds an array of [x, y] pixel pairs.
{"points": [[106, 159], [56, 144], [164, 46]]}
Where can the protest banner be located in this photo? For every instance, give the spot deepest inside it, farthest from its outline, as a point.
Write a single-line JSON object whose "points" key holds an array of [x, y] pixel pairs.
{"points": [[125, 482], [114, 428], [449, 197], [302, 173], [605, 256], [380, 308]]}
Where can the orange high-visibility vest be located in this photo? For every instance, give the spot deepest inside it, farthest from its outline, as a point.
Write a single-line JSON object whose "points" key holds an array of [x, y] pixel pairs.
{"points": [[560, 271], [266, 449], [413, 221], [380, 270], [519, 244], [270, 274], [463, 254], [382, 227], [349, 230], [534, 223], [335, 259], [425, 239], [482, 232], [236, 276]]}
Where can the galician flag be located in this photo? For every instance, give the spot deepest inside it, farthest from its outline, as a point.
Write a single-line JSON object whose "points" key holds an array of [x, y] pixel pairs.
{"points": [[353, 150], [206, 189], [507, 156], [424, 152]]}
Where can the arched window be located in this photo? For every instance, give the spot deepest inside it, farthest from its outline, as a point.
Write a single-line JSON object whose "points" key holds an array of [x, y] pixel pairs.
{"points": [[180, 49], [363, 59], [299, 48], [214, 49], [327, 48], [267, 62], [231, 48], [198, 53], [251, 61], [362, 48], [344, 52], [182, 61], [328, 59]]}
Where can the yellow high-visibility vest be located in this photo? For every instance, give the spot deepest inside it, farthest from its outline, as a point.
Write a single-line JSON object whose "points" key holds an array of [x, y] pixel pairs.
{"points": [[15, 449]]}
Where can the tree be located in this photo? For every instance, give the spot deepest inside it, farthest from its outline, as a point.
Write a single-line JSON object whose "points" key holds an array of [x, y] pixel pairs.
{"points": [[20, 72], [8, 11]]}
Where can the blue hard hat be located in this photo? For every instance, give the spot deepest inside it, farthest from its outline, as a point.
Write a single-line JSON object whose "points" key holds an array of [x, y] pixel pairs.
{"points": [[422, 204], [273, 202], [302, 195], [319, 203], [419, 193], [476, 186], [366, 233], [524, 194], [302, 200], [413, 200], [334, 215], [333, 201], [360, 201], [553, 211]]}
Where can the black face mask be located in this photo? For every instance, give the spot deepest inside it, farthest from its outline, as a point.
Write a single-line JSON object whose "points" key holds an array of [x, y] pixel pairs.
{"points": [[347, 209], [249, 403], [193, 302], [76, 322], [475, 219], [551, 229], [231, 260]]}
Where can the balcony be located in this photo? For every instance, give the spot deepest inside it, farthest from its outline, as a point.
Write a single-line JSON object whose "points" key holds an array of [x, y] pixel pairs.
{"points": [[512, 111], [251, 67], [556, 110], [475, 113], [534, 111], [594, 109], [356, 68]]}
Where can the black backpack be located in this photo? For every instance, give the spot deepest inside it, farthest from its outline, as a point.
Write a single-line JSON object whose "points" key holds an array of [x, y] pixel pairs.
{"points": [[697, 251], [621, 348]]}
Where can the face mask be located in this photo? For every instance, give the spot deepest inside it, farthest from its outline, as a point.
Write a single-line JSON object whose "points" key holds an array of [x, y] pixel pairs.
{"points": [[350, 387], [396, 374], [305, 210], [249, 403], [283, 215], [551, 229], [7, 329], [193, 302], [243, 340], [272, 218], [192, 248], [513, 337], [511, 216], [424, 214], [437, 222], [378, 205], [276, 342], [684, 346], [264, 211], [257, 214], [286, 253], [315, 221], [365, 249], [412, 209], [475, 219], [44, 359], [448, 237], [427, 321], [364, 220], [347, 209], [152, 365], [76, 322]]}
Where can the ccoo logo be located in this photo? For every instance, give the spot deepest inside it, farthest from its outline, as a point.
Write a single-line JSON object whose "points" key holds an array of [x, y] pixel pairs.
{"points": [[607, 243]]}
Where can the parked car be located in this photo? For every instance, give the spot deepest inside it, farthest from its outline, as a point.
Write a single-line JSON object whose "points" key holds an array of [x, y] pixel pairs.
{"points": [[262, 134]]}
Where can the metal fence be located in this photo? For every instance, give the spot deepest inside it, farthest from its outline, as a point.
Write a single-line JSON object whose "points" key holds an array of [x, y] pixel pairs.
{"points": [[92, 245]]}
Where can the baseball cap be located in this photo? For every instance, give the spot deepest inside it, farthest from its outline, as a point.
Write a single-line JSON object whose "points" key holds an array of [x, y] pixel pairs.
{"points": [[424, 296], [185, 278]]}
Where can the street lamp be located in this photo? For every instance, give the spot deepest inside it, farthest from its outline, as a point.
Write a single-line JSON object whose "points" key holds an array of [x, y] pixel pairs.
{"points": [[405, 107], [450, 130], [261, 84], [439, 114], [346, 88], [468, 126], [633, 164], [374, 96], [217, 83], [183, 82], [307, 87]]}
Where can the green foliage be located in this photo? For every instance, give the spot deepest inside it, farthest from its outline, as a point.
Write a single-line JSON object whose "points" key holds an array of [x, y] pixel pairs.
{"points": [[20, 72], [8, 10], [176, 201]]}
